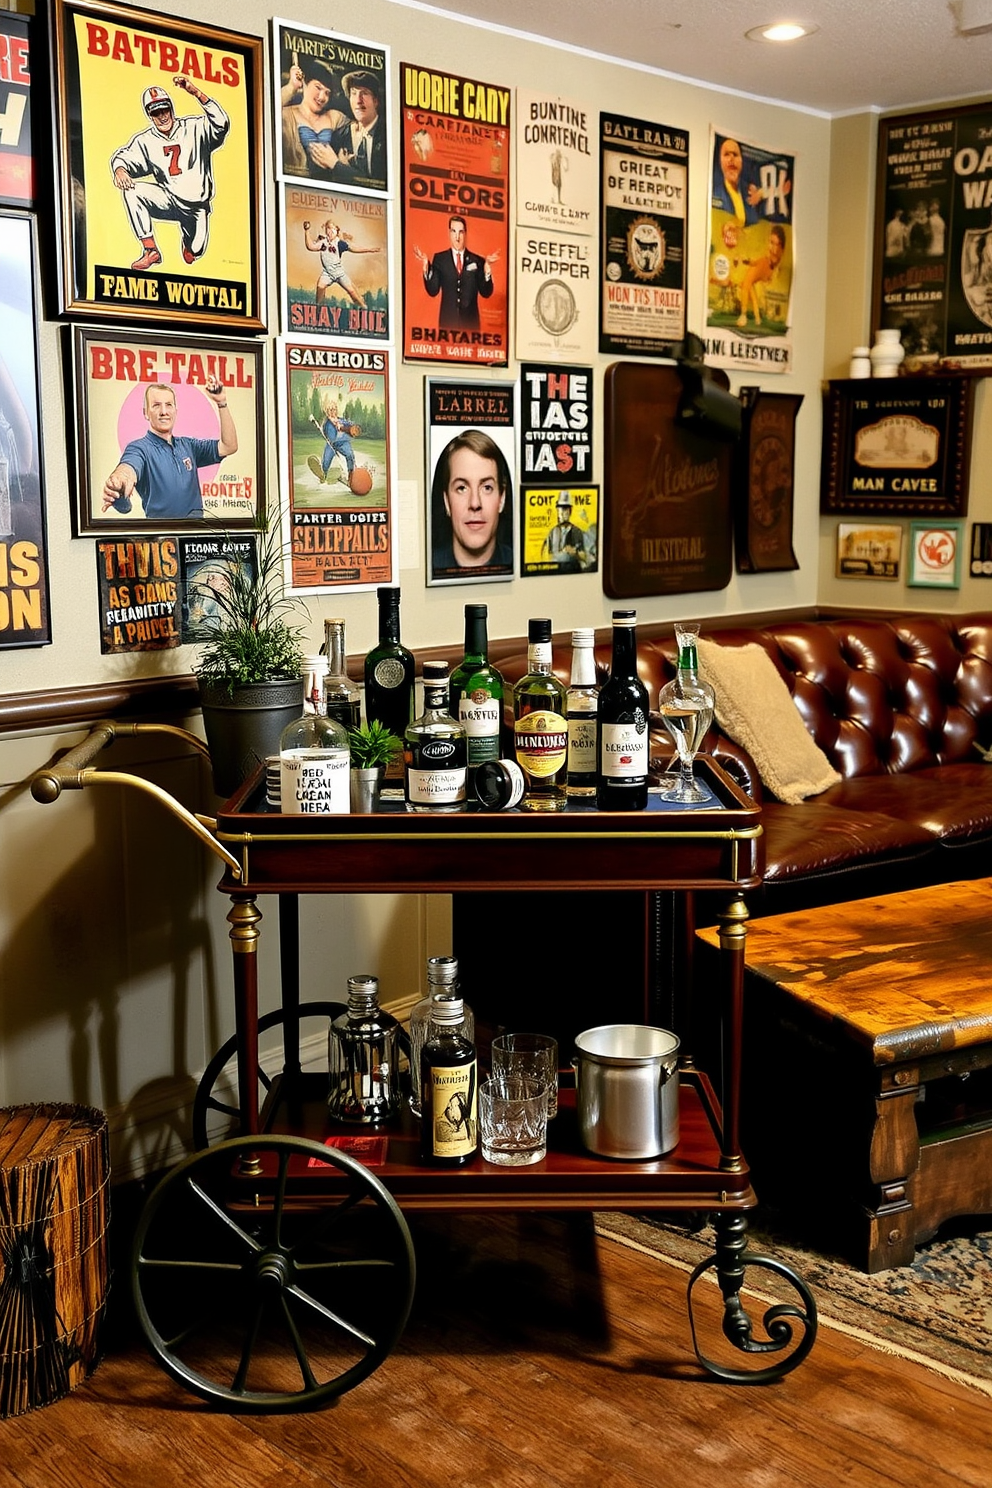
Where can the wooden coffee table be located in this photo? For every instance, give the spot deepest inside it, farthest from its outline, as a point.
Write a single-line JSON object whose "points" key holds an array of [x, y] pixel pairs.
{"points": [[868, 1068]]}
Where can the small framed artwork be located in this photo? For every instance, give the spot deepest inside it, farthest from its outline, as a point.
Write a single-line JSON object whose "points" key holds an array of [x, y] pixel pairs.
{"points": [[764, 470], [980, 560], [159, 147], [935, 555], [897, 446], [868, 550], [170, 429]]}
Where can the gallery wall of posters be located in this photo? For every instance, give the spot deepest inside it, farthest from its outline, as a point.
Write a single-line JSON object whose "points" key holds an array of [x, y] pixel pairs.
{"points": [[17, 172], [470, 503], [644, 197], [751, 256], [336, 454], [334, 268], [140, 95], [455, 147]]}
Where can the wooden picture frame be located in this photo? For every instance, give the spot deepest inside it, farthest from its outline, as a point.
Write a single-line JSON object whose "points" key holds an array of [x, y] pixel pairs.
{"points": [[934, 560], [764, 479], [869, 550], [158, 221], [114, 374], [896, 446], [17, 164]]}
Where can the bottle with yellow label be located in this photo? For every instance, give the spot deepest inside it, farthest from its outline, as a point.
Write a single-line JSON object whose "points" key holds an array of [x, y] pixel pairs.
{"points": [[540, 725], [449, 1127]]}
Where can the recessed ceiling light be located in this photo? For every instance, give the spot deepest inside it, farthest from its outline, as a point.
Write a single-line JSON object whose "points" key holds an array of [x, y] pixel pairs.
{"points": [[781, 31]]}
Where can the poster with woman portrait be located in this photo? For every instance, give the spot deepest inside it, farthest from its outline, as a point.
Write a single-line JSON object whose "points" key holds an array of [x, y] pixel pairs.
{"points": [[470, 477], [335, 264]]}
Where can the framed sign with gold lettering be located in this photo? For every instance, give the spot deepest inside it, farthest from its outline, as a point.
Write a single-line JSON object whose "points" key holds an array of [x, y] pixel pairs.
{"points": [[159, 146], [896, 446]]}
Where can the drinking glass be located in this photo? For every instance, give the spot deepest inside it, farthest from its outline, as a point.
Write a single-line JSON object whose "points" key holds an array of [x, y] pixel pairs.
{"points": [[534, 1056], [513, 1121]]}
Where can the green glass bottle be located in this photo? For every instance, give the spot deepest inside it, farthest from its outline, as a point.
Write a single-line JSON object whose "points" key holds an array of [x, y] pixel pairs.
{"points": [[475, 694]]}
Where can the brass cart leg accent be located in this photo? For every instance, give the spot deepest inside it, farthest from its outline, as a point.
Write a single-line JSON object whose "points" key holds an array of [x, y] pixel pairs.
{"points": [[244, 919], [733, 933]]}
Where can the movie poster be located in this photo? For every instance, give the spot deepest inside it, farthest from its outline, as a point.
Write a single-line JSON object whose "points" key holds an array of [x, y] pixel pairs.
{"points": [[335, 265], [555, 296], [138, 583], [337, 439], [16, 162], [556, 163], [644, 170], [559, 530], [470, 459], [751, 257], [455, 136], [556, 425]]}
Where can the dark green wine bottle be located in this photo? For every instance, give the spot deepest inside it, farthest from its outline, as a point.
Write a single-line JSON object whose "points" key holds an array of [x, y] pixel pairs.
{"points": [[390, 670], [475, 694]]}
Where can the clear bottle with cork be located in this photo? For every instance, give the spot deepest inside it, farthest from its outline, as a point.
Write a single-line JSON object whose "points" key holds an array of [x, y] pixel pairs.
{"points": [[582, 703], [540, 728], [363, 1057], [342, 700], [442, 984], [449, 1078], [434, 754]]}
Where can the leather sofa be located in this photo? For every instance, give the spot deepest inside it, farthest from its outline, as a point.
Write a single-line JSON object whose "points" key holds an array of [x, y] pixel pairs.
{"points": [[898, 703]]}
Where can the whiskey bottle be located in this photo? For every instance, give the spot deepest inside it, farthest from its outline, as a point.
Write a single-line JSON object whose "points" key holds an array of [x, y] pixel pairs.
{"points": [[622, 726], [341, 696], [363, 1057], [434, 750], [389, 670], [448, 1088], [475, 694], [540, 730], [442, 984], [582, 701]]}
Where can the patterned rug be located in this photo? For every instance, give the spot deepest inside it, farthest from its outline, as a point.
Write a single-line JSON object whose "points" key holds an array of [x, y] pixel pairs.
{"points": [[937, 1311]]}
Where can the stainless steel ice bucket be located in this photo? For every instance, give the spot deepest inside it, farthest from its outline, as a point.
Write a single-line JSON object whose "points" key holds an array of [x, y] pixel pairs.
{"points": [[627, 1090]]}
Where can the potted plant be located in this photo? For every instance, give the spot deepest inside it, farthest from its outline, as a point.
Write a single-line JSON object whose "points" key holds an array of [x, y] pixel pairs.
{"points": [[373, 747], [250, 668]]}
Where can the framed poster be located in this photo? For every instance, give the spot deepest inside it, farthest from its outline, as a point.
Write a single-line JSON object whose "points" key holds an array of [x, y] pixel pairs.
{"points": [[559, 530], [470, 457], [331, 95], [556, 425], [17, 169], [24, 592], [868, 550], [556, 163], [644, 188], [764, 474], [934, 555], [334, 266], [336, 416], [170, 429], [980, 561], [159, 155], [896, 446]]}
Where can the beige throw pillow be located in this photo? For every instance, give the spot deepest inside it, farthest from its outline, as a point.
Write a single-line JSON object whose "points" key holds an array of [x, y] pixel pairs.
{"points": [[754, 708]]}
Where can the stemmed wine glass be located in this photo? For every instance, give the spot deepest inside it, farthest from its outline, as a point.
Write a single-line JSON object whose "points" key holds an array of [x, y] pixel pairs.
{"points": [[686, 708]]}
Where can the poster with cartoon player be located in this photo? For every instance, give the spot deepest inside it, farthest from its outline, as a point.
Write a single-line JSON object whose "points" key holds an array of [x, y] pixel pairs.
{"points": [[335, 265], [159, 154]]}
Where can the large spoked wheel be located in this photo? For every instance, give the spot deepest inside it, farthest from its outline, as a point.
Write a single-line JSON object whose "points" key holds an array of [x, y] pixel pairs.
{"points": [[215, 1105], [257, 1304]]}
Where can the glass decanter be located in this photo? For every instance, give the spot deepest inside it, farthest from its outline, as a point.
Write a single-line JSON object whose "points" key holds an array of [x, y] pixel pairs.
{"points": [[686, 708]]}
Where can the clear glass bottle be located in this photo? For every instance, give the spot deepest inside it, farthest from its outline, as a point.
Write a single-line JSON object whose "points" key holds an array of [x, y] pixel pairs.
{"points": [[622, 727], [540, 729], [582, 700], [341, 697], [314, 766], [475, 694], [363, 1057], [390, 671], [449, 1078], [686, 708], [434, 751], [442, 983]]}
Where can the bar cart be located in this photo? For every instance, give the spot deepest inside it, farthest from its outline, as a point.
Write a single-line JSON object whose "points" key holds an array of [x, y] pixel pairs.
{"points": [[296, 1221]]}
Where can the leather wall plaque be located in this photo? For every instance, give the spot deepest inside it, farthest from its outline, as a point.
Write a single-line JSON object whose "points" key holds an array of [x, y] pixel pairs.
{"points": [[667, 521], [764, 479]]}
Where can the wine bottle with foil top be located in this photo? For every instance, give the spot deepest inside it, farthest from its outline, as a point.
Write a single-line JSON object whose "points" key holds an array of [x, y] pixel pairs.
{"points": [[582, 701], [540, 727], [342, 700], [475, 694], [449, 1078], [622, 725]]}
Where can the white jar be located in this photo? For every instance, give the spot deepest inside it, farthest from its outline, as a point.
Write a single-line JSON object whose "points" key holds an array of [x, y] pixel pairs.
{"points": [[887, 354], [860, 362]]}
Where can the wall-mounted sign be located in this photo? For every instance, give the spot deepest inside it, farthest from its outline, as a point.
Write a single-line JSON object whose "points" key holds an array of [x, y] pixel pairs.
{"points": [[764, 474]]}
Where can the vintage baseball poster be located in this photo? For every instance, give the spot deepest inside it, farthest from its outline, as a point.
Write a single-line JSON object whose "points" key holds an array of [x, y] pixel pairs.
{"points": [[559, 530], [555, 296], [751, 256], [470, 475], [331, 97], [170, 430], [334, 264], [337, 439], [644, 170], [16, 161], [138, 586], [160, 149], [455, 146], [556, 425], [24, 610], [556, 163]]}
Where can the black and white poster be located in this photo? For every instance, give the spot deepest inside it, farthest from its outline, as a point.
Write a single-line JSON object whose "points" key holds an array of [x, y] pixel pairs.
{"points": [[555, 425]]}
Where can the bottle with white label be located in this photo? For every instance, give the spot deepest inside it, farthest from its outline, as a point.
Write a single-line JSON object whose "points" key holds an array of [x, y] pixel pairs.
{"points": [[622, 725], [434, 753], [582, 706], [314, 767], [475, 694]]}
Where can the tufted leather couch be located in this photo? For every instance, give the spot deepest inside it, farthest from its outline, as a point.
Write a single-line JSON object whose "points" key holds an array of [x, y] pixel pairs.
{"points": [[898, 704]]}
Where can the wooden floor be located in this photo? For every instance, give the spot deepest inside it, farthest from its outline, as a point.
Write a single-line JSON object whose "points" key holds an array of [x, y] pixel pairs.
{"points": [[538, 1356]]}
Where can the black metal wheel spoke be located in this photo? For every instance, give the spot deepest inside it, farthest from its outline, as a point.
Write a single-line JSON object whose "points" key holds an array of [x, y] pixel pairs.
{"points": [[240, 1380], [332, 1317], [310, 1380], [279, 1200], [224, 1217]]}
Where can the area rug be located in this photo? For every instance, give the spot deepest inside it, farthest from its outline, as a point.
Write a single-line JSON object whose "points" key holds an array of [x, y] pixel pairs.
{"points": [[937, 1311]]}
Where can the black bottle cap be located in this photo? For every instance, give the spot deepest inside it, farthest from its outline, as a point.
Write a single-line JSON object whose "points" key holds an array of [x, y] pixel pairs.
{"points": [[388, 595], [476, 611], [539, 630], [435, 671]]}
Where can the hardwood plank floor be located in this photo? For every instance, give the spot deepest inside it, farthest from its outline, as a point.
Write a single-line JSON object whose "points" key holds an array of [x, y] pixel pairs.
{"points": [[538, 1356]]}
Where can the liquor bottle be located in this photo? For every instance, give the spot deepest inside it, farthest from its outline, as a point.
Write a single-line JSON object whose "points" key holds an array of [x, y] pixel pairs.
{"points": [[390, 670], [622, 726], [442, 984], [363, 1057], [314, 672], [685, 706], [314, 766], [540, 730], [434, 750], [582, 701], [475, 694], [341, 697], [448, 1088]]}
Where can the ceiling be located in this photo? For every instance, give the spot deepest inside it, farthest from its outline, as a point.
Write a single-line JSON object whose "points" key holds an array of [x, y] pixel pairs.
{"points": [[867, 53]]}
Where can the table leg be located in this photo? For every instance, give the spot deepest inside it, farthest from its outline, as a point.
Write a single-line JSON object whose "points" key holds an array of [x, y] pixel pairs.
{"points": [[244, 919], [733, 933]]}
